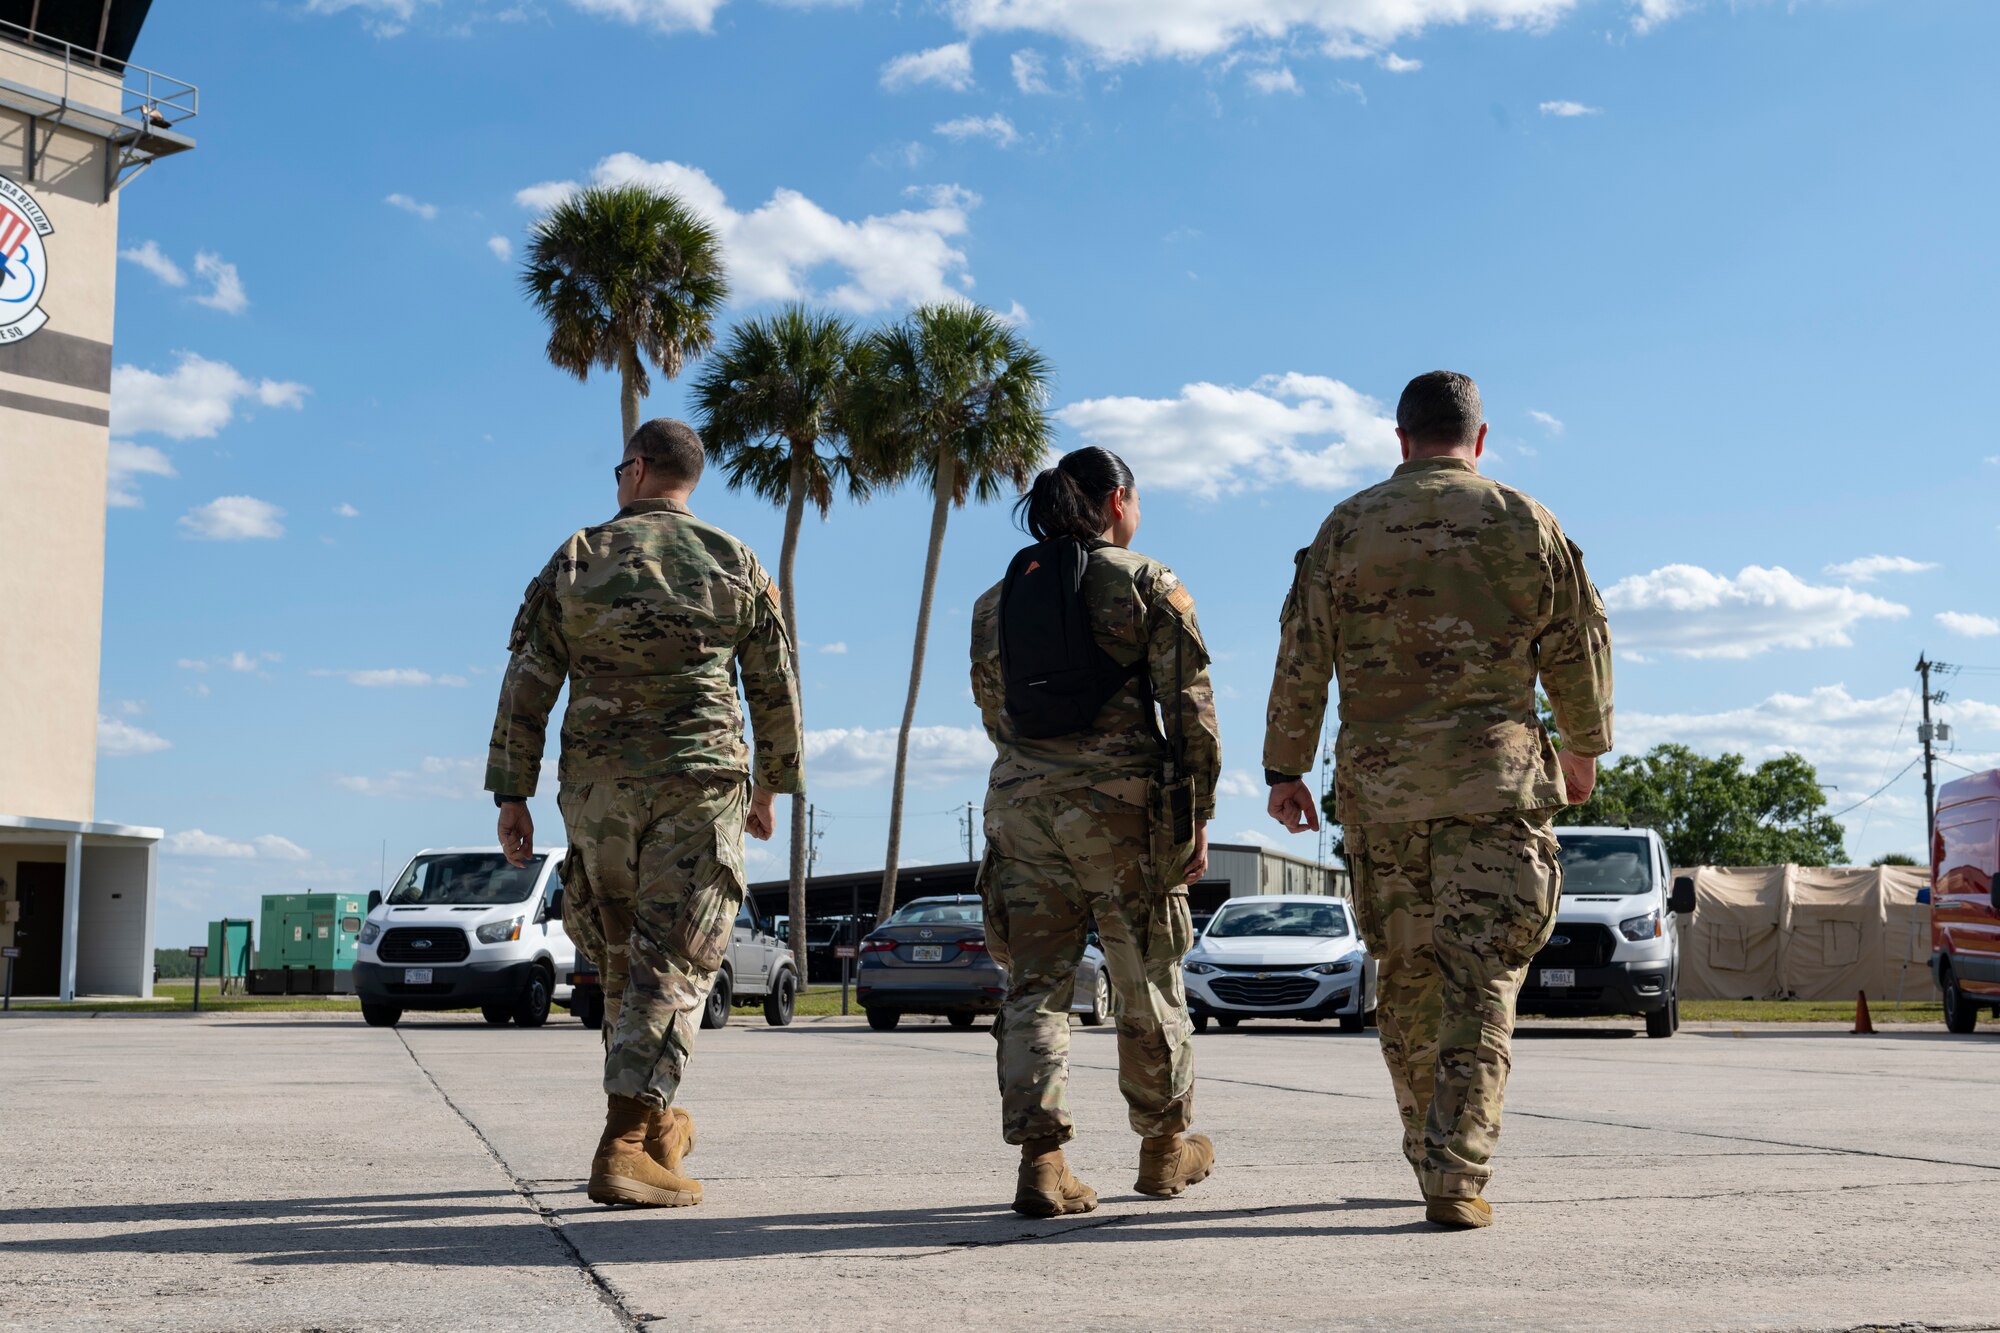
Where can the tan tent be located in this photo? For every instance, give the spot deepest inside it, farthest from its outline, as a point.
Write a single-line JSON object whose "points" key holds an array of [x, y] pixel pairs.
{"points": [[1806, 933]]}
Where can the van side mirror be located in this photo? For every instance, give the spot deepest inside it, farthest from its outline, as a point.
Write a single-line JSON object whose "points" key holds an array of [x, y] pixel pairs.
{"points": [[1681, 902], [555, 905], [374, 899]]}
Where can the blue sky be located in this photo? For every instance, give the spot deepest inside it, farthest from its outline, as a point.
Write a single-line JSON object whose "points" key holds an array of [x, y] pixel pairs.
{"points": [[1724, 272]]}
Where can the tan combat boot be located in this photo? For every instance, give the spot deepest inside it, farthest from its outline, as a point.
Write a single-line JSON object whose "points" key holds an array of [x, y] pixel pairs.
{"points": [[1045, 1187], [1458, 1214], [623, 1172], [1172, 1162], [670, 1137]]}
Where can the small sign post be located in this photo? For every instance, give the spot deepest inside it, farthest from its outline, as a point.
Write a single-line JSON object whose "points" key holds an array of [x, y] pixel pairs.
{"points": [[197, 952], [845, 953], [10, 954]]}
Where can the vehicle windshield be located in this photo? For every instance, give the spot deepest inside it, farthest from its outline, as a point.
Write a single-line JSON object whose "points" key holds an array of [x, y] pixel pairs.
{"points": [[465, 879], [1606, 864], [939, 914], [1314, 920]]}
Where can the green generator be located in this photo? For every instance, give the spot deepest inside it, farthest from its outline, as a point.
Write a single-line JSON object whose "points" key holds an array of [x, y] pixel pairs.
{"points": [[229, 952], [308, 944]]}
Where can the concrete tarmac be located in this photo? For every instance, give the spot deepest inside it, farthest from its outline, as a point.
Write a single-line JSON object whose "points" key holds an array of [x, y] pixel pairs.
{"points": [[307, 1172]]}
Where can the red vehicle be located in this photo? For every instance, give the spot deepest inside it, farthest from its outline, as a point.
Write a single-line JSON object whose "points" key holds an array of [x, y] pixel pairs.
{"points": [[1965, 898]]}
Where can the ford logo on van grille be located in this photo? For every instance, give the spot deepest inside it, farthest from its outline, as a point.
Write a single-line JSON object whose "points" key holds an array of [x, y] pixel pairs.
{"points": [[1558, 940], [425, 944]]}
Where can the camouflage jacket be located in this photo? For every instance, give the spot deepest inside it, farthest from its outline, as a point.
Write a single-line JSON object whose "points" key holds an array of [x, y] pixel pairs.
{"points": [[1435, 599], [1138, 609], [649, 617]]}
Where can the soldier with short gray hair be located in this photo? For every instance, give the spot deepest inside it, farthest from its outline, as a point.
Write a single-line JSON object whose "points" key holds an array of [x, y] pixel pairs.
{"points": [[649, 618], [1436, 600]]}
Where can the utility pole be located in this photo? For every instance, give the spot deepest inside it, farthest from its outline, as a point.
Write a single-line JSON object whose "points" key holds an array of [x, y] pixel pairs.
{"points": [[1930, 733], [965, 825]]}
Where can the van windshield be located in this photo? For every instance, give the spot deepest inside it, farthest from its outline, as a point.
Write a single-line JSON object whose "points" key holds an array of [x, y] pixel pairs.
{"points": [[1606, 864], [465, 879]]}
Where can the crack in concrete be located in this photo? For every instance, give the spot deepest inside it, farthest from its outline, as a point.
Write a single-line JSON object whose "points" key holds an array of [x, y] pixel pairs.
{"points": [[550, 1219]]}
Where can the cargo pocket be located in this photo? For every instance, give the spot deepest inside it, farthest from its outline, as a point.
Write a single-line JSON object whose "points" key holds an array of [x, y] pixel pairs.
{"points": [[702, 928], [1171, 933], [993, 901], [1531, 910]]}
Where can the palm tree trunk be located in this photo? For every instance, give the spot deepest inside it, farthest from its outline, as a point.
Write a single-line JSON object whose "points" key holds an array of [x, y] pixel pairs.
{"points": [[795, 511], [940, 511], [628, 392]]}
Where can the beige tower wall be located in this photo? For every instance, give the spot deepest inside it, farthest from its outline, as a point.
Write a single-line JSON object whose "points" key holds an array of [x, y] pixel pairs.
{"points": [[54, 438]]}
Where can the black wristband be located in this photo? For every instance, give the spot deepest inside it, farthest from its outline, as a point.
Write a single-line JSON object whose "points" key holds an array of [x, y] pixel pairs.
{"points": [[1273, 778], [499, 800]]}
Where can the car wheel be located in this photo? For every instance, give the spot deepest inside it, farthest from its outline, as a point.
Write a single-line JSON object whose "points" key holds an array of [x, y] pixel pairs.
{"points": [[1960, 1013], [531, 1010], [381, 1015], [884, 1020], [499, 1015], [960, 1018], [1353, 1022], [778, 1004], [1100, 1002], [715, 1013], [1228, 1024], [589, 1010], [1666, 1020], [1200, 1022]]}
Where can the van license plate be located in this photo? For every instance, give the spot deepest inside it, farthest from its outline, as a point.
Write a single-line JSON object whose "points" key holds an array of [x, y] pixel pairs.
{"points": [[421, 976], [926, 953], [1558, 978]]}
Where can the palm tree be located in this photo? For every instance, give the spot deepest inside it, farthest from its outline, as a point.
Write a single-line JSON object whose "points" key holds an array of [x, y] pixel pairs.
{"points": [[771, 404], [625, 275], [955, 397]]}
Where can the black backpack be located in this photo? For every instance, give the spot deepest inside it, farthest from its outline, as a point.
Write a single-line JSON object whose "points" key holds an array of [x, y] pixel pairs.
{"points": [[1058, 678]]}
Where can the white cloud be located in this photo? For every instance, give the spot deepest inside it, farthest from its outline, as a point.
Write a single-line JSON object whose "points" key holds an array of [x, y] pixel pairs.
{"points": [[149, 256], [409, 205], [382, 18], [1830, 727], [346, 511], [502, 248], [1241, 784], [1689, 612], [194, 401], [775, 251], [118, 739], [1650, 14], [1548, 421], [1968, 624], [948, 66], [1871, 567], [225, 287], [432, 779], [1302, 430], [837, 649], [212, 846], [236, 661], [128, 462], [660, 15], [1118, 30], [861, 757], [995, 127], [1570, 110], [1015, 314], [1256, 837], [388, 677], [1279, 80], [1396, 64], [233, 518], [1031, 73]]}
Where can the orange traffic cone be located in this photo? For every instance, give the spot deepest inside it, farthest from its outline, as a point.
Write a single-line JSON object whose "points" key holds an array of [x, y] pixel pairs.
{"points": [[1862, 1024]]}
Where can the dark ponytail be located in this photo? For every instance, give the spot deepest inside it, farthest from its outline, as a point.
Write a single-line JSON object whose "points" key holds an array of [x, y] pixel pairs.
{"points": [[1069, 499]]}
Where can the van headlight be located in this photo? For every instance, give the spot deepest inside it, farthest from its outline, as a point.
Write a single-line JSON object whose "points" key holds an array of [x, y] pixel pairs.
{"points": [[499, 932], [1645, 927], [370, 932]]}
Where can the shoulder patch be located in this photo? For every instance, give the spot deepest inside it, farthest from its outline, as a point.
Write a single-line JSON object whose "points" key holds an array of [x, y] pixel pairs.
{"points": [[772, 595], [1181, 600]]}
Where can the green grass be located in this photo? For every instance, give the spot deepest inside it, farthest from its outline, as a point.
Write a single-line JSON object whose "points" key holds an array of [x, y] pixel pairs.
{"points": [[1810, 1011]]}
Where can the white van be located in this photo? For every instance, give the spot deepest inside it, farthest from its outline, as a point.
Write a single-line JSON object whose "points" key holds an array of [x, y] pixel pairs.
{"points": [[462, 929], [1617, 942]]}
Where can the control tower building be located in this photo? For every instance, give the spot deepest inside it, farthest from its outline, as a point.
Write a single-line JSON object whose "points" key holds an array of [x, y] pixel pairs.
{"points": [[78, 121]]}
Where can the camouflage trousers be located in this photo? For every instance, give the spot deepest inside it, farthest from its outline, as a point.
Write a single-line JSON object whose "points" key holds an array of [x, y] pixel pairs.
{"points": [[1055, 861], [1452, 910], [651, 887]]}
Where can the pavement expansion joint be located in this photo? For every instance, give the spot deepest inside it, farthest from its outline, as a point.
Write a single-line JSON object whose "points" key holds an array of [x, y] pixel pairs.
{"points": [[550, 1218]]}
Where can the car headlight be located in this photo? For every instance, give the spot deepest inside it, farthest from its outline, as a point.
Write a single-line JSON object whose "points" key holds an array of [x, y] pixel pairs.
{"points": [[1200, 968], [370, 932], [1336, 967], [1645, 927], [499, 932]]}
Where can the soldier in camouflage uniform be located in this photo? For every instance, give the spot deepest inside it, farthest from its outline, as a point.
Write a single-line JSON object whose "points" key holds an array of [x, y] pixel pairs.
{"points": [[649, 618], [1073, 832], [1436, 599]]}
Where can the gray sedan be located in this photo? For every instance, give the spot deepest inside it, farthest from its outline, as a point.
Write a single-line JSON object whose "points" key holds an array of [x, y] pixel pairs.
{"points": [[931, 958]]}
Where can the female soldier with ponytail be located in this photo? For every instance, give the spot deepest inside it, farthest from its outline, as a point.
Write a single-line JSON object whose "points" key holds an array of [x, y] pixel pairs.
{"points": [[1097, 808]]}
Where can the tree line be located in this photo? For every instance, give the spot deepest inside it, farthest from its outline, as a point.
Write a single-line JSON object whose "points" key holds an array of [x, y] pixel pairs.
{"points": [[797, 406]]}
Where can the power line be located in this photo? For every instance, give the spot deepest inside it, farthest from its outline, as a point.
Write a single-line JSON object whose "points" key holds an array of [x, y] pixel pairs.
{"points": [[1879, 790]]}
